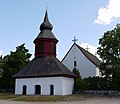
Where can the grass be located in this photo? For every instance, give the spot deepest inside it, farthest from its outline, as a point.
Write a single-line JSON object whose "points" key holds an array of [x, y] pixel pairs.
{"points": [[7, 96], [38, 98]]}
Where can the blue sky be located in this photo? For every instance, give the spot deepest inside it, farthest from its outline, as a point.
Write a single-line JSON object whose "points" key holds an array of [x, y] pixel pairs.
{"points": [[87, 20]]}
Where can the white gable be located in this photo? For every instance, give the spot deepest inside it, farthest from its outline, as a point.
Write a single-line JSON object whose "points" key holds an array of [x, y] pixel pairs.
{"points": [[84, 65]]}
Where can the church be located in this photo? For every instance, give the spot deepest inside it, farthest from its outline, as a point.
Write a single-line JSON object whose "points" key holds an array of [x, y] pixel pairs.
{"points": [[44, 74], [81, 59]]}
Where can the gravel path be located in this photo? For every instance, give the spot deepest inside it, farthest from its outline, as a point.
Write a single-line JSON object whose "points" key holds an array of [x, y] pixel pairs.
{"points": [[94, 100]]}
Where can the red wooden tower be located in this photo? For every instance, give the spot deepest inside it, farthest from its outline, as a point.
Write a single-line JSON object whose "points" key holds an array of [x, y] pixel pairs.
{"points": [[45, 43]]}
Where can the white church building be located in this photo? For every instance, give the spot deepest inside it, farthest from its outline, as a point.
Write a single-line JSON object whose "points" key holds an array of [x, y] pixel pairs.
{"points": [[81, 59], [45, 74]]}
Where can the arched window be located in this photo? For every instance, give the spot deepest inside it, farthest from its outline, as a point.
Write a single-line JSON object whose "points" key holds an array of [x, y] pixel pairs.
{"points": [[51, 89], [37, 89], [24, 90], [75, 63]]}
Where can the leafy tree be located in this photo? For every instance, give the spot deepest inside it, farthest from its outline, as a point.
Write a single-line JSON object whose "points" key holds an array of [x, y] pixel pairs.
{"points": [[76, 72], [1, 64], [14, 62], [78, 82], [96, 83], [109, 51], [2, 61]]}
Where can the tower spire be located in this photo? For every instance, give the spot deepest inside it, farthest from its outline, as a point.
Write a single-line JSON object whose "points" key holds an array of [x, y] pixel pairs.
{"points": [[46, 24]]}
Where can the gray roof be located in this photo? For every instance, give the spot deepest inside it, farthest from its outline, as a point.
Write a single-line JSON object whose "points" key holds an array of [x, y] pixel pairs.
{"points": [[46, 29], [46, 34], [46, 24], [88, 55], [44, 67]]}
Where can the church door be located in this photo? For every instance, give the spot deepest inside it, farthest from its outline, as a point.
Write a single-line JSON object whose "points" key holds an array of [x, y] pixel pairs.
{"points": [[37, 89], [51, 90], [24, 90]]}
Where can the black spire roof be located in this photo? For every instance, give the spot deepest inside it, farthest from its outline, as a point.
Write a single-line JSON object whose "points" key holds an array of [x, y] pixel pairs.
{"points": [[46, 29], [46, 24]]}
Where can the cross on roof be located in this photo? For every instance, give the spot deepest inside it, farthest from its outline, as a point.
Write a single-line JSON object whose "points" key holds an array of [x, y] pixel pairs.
{"points": [[87, 48], [75, 40], [95, 53]]}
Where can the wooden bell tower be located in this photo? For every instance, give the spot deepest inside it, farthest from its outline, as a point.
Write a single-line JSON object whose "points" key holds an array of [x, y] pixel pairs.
{"points": [[45, 43]]}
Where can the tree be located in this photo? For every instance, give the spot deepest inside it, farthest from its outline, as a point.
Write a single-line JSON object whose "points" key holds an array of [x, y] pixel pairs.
{"points": [[14, 62], [96, 83], [1, 64], [78, 82], [109, 51]]}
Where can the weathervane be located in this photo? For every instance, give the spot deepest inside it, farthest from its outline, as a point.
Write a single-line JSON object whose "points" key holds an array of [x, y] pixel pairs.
{"points": [[75, 40]]}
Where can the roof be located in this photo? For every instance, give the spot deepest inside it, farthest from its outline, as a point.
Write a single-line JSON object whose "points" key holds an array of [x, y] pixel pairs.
{"points": [[46, 29], [46, 34], [44, 67], [46, 24], [88, 55]]}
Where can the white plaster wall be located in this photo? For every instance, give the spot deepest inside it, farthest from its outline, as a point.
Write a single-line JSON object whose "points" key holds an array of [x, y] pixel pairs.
{"points": [[62, 85], [85, 66], [67, 84], [97, 72]]}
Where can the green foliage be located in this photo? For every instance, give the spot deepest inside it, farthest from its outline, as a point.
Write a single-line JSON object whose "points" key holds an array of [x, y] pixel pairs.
{"points": [[116, 80], [1, 65], [78, 82], [76, 72], [97, 83], [109, 51], [92, 83], [13, 63]]}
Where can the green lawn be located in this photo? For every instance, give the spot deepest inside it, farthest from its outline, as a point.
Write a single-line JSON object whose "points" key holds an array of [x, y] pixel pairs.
{"points": [[7, 96], [38, 98]]}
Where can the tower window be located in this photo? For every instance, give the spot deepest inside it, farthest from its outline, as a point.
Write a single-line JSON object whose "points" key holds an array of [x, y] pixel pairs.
{"points": [[41, 47], [54, 48]]}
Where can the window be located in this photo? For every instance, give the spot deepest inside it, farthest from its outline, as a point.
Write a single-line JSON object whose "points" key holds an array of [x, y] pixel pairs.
{"points": [[54, 48], [41, 47], [75, 63]]}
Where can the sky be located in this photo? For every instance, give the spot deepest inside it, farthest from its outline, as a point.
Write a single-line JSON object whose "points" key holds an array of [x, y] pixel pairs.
{"points": [[87, 20]]}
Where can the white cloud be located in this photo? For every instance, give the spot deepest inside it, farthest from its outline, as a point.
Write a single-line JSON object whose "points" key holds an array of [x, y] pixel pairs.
{"points": [[91, 49], [109, 13], [1, 53]]}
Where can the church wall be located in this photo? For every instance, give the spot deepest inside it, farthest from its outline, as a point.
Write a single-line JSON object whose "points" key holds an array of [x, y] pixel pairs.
{"points": [[85, 66], [59, 83], [68, 84], [98, 73]]}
